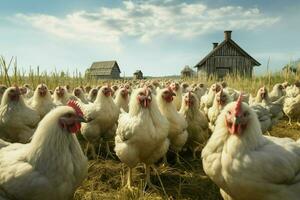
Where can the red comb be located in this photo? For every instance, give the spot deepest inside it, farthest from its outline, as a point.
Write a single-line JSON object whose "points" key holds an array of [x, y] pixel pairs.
{"points": [[238, 104], [73, 104]]}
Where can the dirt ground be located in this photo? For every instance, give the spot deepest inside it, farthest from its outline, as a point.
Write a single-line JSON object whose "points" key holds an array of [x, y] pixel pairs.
{"points": [[187, 181]]}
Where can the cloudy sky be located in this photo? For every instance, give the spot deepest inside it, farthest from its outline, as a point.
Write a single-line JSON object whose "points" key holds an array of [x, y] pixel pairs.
{"points": [[157, 36]]}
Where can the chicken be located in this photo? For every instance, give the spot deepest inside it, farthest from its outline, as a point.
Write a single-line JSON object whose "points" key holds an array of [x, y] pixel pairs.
{"points": [[41, 101], [275, 108], [199, 91], [142, 134], [68, 89], [178, 126], [60, 96], [78, 92], [51, 166], [207, 100], [247, 165], [26, 91], [122, 99], [92, 95], [291, 108], [102, 116], [197, 129], [261, 95], [17, 120], [277, 92], [2, 90], [264, 117], [185, 87], [220, 101], [114, 89], [87, 89], [293, 90], [178, 92]]}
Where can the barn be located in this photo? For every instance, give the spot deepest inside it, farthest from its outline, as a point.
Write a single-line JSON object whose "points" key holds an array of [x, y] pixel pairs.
{"points": [[104, 70], [187, 72], [226, 58], [138, 74]]}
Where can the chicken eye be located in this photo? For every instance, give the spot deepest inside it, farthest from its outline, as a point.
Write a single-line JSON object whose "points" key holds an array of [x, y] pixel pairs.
{"points": [[245, 114], [229, 112]]}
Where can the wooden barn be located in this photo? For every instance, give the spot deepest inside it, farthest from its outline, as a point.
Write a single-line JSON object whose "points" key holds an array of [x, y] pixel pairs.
{"points": [[138, 74], [187, 72], [227, 58], [104, 70]]}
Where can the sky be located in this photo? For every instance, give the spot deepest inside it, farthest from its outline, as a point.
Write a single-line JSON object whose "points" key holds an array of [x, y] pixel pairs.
{"points": [[158, 37]]}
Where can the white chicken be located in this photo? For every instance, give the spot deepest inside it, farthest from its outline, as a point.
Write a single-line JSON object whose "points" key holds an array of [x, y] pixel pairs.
{"points": [[92, 95], [197, 129], [207, 100], [199, 91], [102, 117], [26, 91], [51, 166], [291, 108], [222, 98], [178, 126], [142, 134], [78, 92], [122, 99], [17, 120], [41, 101], [293, 90], [247, 165], [277, 92], [264, 117], [178, 92], [60, 96], [275, 108]]}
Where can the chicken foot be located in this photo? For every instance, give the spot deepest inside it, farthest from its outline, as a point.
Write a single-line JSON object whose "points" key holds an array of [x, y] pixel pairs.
{"points": [[108, 152], [148, 178]]}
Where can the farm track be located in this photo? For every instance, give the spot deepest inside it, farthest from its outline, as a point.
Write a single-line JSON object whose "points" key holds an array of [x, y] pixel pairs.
{"points": [[185, 182]]}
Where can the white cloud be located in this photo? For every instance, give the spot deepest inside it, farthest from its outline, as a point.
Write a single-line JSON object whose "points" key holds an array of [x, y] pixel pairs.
{"points": [[146, 21]]}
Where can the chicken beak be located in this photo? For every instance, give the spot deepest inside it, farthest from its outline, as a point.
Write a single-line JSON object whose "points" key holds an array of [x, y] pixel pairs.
{"points": [[81, 119]]}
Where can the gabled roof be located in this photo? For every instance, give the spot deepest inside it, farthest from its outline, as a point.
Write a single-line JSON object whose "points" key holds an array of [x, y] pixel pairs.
{"points": [[138, 72], [103, 67], [238, 48], [187, 69]]}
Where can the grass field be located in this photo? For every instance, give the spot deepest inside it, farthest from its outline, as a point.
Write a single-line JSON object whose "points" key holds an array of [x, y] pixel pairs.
{"points": [[188, 182], [106, 177]]}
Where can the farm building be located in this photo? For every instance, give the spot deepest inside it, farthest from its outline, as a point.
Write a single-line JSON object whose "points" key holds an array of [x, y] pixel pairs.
{"points": [[226, 58], [187, 72], [104, 70], [138, 74]]}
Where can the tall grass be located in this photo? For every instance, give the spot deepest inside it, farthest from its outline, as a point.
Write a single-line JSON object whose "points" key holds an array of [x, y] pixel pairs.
{"points": [[14, 76]]}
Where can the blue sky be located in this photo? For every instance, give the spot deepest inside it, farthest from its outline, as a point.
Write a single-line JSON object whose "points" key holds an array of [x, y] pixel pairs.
{"points": [[158, 37]]}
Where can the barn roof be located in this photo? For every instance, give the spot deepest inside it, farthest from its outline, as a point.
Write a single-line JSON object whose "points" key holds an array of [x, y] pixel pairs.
{"points": [[103, 67], [138, 72], [187, 69], [235, 45]]}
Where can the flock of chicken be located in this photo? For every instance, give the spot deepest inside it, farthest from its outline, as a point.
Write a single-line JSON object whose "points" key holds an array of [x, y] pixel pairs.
{"points": [[144, 122]]}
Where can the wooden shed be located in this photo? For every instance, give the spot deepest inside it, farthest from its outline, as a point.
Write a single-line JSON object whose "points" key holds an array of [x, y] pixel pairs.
{"points": [[104, 70], [227, 58], [187, 72], [138, 74]]}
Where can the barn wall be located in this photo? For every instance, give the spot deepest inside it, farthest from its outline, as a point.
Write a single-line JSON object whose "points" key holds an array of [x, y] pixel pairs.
{"points": [[115, 72]]}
